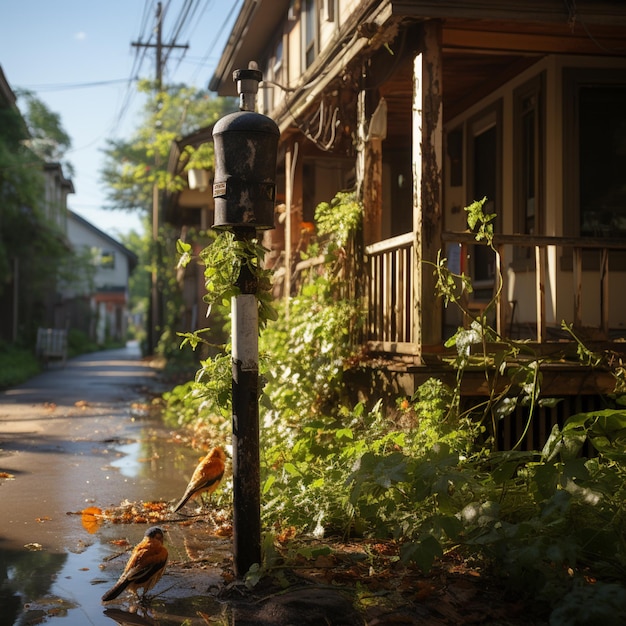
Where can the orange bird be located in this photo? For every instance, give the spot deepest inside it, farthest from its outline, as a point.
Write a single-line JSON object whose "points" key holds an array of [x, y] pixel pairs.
{"points": [[206, 477], [144, 568]]}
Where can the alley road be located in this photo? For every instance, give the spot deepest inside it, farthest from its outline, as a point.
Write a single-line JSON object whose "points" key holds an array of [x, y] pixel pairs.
{"points": [[80, 436], [59, 433]]}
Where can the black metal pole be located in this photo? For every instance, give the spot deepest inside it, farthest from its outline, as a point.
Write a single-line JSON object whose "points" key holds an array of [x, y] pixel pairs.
{"points": [[245, 416], [244, 191]]}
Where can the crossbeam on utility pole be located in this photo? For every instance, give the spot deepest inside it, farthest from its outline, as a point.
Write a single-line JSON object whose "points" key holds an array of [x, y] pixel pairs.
{"points": [[159, 46]]}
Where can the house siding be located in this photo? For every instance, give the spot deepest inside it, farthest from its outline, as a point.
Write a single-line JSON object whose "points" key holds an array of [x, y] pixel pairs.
{"points": [[559, 285]]}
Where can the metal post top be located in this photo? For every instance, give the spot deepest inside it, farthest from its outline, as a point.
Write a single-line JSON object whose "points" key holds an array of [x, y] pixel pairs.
{"points": [[247, 86], [248, 74]]}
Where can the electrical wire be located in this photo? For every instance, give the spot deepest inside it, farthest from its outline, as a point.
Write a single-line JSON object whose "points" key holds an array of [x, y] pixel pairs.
{"points": [[236, 6]]}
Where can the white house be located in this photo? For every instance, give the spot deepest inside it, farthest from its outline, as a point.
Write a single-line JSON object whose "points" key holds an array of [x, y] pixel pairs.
{"points": [[108, 289]]}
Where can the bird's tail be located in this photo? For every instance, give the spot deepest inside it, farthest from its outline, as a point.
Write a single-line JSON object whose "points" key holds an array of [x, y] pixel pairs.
{"points": [[182, 502], [115, 590]]}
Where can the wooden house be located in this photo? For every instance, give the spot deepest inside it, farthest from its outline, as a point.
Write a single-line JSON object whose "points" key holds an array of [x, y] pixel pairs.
{"points": [[427, 106], [100, 307]]}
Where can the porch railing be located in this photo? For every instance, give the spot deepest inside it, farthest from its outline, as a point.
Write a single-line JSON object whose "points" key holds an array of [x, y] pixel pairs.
{"points": [[391, 320], [390, 301]]}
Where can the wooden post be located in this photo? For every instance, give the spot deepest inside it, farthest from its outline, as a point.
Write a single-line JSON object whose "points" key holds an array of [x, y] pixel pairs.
{"points": [[604, 292], [540, 289], [289, 166], [427, 184], [370, 163], [577, 275]]}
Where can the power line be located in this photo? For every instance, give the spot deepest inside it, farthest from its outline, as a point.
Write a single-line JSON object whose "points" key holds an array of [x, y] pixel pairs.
{"points": [[68, 86], [212, 45]]}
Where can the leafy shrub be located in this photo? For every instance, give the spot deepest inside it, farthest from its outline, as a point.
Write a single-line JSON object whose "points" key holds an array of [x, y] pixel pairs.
{"points": [[17, 365]]}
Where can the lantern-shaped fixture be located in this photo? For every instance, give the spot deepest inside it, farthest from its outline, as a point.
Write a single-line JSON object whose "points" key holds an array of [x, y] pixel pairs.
{"points": [[246, 144]]}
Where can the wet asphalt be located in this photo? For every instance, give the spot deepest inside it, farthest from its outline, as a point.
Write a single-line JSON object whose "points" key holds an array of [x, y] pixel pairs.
{"points": [[57, 435], [78, 436]]}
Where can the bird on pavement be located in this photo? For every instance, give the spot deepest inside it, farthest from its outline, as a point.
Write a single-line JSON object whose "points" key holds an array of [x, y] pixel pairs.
{"points": [[144, 568], [206, 477]]}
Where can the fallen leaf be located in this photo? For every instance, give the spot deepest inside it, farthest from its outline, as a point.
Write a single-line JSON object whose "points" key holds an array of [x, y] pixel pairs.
{"points": [[119, 542], [91, 519]]}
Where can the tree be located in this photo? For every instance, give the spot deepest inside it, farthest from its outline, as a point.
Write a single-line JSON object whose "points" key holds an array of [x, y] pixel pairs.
{"points": [[30, 246], [48, 139], [133, 167], [132, 170], [139, 281]]}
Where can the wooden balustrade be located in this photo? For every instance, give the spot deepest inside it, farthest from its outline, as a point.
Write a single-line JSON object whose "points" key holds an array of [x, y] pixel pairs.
{"points": [[390, 298]]}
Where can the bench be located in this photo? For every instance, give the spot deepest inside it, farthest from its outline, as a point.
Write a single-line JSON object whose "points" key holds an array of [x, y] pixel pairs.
{"points": [[52, 344]]}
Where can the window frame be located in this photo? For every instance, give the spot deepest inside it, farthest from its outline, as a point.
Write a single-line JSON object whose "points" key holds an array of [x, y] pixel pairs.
{"points": [[573, 79], [532, 89], [309, 46]]}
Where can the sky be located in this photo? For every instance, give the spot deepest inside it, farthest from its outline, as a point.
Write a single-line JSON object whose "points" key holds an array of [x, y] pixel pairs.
{"points": [[77, 57]]}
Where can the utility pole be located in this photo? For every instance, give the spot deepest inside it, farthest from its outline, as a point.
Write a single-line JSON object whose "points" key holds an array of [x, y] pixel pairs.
{"points": [[155, 317]]}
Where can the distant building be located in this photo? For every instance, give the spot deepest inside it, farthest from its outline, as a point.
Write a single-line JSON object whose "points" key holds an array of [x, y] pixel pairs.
{"points": [[99, 304]]}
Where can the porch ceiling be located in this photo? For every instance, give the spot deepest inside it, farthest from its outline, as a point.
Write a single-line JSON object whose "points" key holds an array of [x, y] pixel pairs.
{"points": [[467, 77], [480, 55]]}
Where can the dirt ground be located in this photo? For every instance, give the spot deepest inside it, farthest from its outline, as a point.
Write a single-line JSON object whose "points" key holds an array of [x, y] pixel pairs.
{"points": [[329, 582]]}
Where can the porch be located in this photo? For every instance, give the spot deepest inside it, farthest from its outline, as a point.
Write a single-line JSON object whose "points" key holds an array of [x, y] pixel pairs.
{"points": [[393, 315]]}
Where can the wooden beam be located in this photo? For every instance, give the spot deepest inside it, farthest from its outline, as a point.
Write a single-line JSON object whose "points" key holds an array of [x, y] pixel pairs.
{"points": [[604, 293], [427, 182], [486, 40], [577, 276], [540, 289]]}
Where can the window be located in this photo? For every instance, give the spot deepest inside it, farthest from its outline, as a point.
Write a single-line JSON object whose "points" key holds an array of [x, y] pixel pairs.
{"points": [[107, 259], [602, 156], [309, 31], [529, 157], [484, 152], [273, 77], [595, 153], [278, 60]]}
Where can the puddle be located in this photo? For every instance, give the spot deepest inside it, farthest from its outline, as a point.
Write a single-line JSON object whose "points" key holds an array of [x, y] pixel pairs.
{"points": [[47, 585], [66, 589]]}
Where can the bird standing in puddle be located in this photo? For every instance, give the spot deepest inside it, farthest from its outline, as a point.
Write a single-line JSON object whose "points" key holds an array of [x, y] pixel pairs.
{"points": [[144, 568]]}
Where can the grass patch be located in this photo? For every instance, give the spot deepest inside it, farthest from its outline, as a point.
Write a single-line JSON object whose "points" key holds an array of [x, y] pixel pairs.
{"points": [[16, 366]]}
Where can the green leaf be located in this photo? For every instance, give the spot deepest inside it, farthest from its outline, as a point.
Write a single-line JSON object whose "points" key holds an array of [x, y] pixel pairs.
{"points": [[269, 482], [423, 553]]}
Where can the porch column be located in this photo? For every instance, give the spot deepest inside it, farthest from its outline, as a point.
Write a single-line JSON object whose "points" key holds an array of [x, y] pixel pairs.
{"points": [[427, 185], [371, 166], [288, 208]]}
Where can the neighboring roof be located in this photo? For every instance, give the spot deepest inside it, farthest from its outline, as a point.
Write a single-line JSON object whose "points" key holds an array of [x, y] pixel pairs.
{"points": [[203, 135], [132, 257], [8, 100], [247, 41], [66, 183], [6, 93]]}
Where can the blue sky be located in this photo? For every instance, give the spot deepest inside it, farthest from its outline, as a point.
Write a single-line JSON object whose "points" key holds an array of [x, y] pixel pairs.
{"points": [[77, 57]]}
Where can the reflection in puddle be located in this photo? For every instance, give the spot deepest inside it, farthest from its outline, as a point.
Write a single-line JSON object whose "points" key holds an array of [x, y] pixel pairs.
{"points": [[41, 587], [129, 463], [25, 574]]}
